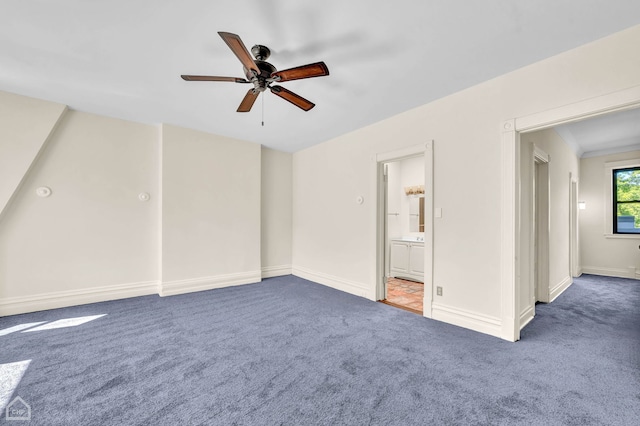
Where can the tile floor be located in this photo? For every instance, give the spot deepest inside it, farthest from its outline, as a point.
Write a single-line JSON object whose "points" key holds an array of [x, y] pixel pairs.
{"points": [[405, 293]]}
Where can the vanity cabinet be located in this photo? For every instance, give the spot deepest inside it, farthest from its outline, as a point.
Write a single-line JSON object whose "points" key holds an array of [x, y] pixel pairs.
{"points": [[407, 259]]}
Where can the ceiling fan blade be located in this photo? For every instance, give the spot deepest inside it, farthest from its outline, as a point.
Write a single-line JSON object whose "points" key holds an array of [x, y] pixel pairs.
{"points": [[213, 78], [249, 99], [288, 95], [240, 50], [305, 71]]}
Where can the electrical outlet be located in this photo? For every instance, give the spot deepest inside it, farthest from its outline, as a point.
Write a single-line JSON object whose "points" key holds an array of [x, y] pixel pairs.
{"points": [[439, 291]]}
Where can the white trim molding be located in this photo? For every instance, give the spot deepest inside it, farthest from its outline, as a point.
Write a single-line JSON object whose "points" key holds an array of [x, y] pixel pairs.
{"points": [[467, 319], [378, 218], [510, 232], [276, 271], [510, 194], [617, 101], [527, 316], [539, 155], [63, 299], [407, 152], [352, 287], [630, 272], [172, 288], [427, 301], [559, 288]]}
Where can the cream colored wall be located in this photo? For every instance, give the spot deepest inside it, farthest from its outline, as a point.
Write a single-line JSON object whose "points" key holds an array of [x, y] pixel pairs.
{"points": [[96, 166], [210, 211], [333, 236], [330, 229], [92, 238], [276, 208], [25, 127], [563, 163], [600, 254], [213, 200]]}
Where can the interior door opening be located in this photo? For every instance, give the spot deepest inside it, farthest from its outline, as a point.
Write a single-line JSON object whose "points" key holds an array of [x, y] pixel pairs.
{"points": [[513, 283], [540, 290], [574, 261], [403, 282]]}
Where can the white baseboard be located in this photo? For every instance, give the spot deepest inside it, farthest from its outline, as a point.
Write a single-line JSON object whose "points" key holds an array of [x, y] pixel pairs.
{"points": [[276, 271], [63, 299], [352, 287], [610, 272], [527, 316], [466, 319], [171, 288], [559, 288]]}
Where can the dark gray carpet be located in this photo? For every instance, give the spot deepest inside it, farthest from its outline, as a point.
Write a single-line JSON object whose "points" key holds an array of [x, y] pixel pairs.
{"points": [[288, 351]]}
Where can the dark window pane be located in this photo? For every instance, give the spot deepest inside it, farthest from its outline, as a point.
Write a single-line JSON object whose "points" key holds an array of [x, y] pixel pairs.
{"points": [[628, 218]]}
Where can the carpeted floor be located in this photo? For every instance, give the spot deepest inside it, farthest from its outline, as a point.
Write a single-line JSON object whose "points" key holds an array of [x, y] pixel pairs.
{"points": [[291, 352]]}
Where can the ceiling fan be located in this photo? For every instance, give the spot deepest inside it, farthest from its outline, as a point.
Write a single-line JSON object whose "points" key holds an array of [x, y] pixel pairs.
{"points": [[262, 74]]}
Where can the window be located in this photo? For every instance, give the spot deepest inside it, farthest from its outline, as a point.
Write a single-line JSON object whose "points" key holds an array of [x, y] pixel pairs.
{"points": [[626, 201]]}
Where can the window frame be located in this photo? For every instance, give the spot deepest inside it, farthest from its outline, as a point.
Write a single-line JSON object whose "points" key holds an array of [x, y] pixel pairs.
{"points": [[608, 197], [614, 200]]}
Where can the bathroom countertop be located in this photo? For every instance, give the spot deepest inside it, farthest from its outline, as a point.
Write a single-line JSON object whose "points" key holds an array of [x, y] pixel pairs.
{"points": [[407, 239]]}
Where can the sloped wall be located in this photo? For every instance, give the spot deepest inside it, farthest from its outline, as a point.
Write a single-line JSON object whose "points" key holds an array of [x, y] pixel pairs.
{"points": [[92, 238], [25, 127], [209, 203]]}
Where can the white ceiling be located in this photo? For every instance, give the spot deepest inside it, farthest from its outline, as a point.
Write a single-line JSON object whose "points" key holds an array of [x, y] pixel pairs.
{"points": [[605, 134], [123, 58]]}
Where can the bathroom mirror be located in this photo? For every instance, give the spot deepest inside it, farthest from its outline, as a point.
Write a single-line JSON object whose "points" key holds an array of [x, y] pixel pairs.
{"points": [[416, 214]]}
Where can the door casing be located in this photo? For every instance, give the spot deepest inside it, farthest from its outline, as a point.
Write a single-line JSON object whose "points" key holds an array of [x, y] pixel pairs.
{"points": [[378, 163], [510, 281]]}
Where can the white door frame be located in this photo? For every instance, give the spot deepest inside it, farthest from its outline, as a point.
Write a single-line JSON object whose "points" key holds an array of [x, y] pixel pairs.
{"points": [[535, 185], [574, 238], [542, 205], [380, 217], [510, 188]]}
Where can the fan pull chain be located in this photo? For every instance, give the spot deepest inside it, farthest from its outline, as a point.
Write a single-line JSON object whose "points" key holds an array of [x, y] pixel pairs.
{"points": [[262, 109]]}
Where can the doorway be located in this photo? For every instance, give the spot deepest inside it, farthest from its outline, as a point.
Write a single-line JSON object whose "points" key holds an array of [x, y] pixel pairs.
{"points": [[574, 256], [535, 229], [404, 241], [405, 229], [541, 212], [513, 280]]}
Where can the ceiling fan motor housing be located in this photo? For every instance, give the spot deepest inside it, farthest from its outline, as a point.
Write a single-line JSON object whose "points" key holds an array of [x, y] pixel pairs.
{"points": [[260, 81]]}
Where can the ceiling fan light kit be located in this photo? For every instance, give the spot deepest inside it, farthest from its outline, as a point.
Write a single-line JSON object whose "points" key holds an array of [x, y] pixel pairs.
{"points": [[262, 74]]}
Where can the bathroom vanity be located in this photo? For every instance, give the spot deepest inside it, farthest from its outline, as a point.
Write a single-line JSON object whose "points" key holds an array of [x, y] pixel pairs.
{"points": [[407, 258]]}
